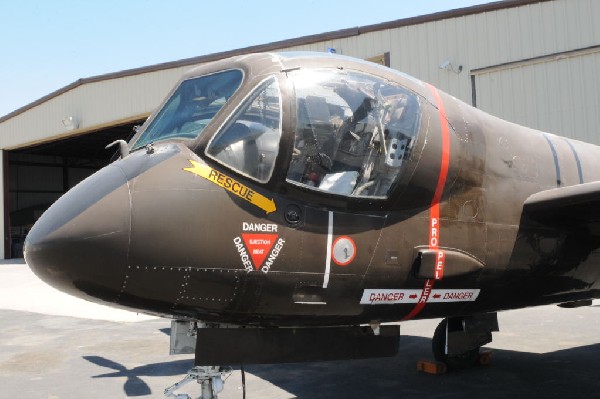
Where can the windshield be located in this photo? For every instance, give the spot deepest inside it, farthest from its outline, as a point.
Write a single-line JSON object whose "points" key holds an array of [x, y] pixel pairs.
{"points": [[191, 107]]}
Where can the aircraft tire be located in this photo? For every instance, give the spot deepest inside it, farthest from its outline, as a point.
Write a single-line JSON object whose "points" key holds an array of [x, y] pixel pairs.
{"points": [[438, 346]]}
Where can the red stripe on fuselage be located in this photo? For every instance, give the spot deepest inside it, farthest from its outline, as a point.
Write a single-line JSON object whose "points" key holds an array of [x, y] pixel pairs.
{"points": [[434, 209]]}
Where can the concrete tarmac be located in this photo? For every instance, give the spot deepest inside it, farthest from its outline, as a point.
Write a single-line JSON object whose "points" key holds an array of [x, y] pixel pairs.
{"points": [[53, 346]]}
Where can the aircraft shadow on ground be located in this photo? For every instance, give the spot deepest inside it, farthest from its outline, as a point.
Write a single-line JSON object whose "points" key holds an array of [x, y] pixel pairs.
{"points": [[562, 373], [135, 385]]}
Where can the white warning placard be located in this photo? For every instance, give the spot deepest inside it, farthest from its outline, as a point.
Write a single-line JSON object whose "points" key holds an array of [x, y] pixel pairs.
{"points": [[394, 296]]}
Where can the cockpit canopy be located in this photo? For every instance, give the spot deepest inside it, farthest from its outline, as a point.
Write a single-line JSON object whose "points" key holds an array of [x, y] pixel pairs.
{"points": [[353, 132]]}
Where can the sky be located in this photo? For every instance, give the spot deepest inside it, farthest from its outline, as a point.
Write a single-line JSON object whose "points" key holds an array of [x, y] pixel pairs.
{"points": [[46, 45]]}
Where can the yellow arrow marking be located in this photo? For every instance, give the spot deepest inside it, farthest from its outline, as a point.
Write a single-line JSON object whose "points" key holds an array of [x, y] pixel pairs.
{"points": [[232, 185]]}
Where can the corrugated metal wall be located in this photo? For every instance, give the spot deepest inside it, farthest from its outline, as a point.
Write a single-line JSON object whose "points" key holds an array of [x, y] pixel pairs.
{"points": [[557, 95]]}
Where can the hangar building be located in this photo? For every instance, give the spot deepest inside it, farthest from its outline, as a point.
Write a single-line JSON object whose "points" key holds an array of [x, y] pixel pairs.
{"points": [[533, 62]]}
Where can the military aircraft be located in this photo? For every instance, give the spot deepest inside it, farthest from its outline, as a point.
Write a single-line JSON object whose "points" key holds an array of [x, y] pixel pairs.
{"points": [[285, 205]]}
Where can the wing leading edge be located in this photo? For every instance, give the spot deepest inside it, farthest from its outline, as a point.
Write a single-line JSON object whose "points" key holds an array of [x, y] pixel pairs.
{"points": [[573, 207]]}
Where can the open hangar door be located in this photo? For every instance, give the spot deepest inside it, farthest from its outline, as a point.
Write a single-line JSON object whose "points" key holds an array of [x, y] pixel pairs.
{"points": [[36, 176]]}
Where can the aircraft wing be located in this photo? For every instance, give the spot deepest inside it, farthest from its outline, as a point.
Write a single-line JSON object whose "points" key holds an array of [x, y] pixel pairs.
{"points": [[575, 207]]}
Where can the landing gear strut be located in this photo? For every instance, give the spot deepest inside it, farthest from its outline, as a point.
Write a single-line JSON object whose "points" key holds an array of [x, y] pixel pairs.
{"points": [[457, 340], [210, 378]]}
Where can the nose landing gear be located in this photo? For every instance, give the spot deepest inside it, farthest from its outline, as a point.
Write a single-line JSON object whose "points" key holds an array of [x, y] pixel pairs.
{"points": [[210, 378]]}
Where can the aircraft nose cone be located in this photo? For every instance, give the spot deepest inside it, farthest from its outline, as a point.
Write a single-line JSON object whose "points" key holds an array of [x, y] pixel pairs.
{"points": [[80, 243]]}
